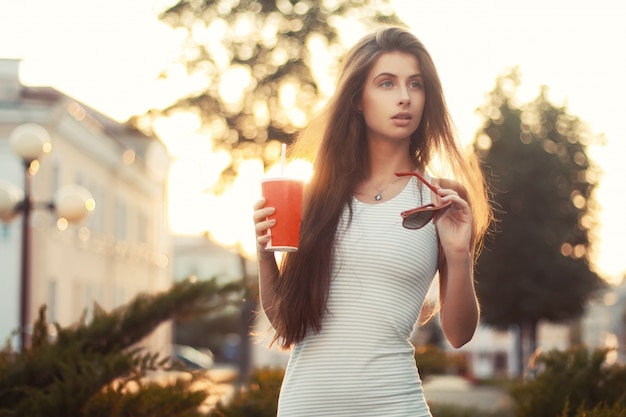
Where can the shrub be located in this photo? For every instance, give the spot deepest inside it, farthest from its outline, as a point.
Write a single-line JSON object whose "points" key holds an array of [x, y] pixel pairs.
{"points": [[571, 382], [96, 368], [601, 410], [433, 361], [177, 399], [456, 411], [260, 400]]}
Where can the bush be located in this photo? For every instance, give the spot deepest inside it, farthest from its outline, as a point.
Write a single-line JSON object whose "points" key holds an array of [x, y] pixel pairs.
{"points": [[601, 410], [456, 411], [96, 368], [433, 361], [570, 384], [177, 399], [260, 400]]}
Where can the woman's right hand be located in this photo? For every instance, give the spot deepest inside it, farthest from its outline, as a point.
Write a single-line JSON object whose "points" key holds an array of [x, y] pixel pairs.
{"points": [[262, 224], [268, 269]]}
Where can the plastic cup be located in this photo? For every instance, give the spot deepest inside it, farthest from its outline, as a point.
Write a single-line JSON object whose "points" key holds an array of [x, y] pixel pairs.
{"points": [[285, 195]]}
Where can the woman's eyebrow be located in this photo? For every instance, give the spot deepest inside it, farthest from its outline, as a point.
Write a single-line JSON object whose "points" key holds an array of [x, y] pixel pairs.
{"points": [[388, 74]]}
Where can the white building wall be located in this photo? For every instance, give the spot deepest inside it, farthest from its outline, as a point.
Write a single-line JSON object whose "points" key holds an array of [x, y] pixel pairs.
{"points": [[122, 249]]}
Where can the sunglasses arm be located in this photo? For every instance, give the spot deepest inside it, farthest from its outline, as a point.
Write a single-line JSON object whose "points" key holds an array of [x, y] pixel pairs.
{"points": [[419, 177]]}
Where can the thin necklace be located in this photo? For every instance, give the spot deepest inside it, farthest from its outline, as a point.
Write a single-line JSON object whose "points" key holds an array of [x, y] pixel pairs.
{"points": [[379, 194]]}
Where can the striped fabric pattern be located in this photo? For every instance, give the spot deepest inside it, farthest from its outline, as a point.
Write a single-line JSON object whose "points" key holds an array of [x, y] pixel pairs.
{"points": [[361, 363]]}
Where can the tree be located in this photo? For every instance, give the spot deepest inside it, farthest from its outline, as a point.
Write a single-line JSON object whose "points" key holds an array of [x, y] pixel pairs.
{"points": [[537, 265], [257, 60]]}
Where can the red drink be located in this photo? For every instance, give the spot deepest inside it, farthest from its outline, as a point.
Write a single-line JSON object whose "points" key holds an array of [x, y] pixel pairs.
{"points": [[285, 195]]}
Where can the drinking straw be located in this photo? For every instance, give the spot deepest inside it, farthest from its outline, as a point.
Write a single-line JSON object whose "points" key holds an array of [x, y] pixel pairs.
{"points": [[283, 151]]}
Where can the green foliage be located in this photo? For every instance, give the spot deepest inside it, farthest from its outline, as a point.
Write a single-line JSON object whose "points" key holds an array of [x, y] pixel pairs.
{"points": [[138, 399], [601, 410], [570, 384], [433, 361], [455, 411], [260, 400], [268, 43], [542, 181], [61, 377]]}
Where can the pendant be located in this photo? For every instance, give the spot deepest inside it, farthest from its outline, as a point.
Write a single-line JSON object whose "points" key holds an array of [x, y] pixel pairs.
{"points": [[378, 196]]}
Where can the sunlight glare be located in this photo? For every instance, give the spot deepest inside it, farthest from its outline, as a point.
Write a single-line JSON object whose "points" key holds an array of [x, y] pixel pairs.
{"points": [[269, 34], [297, 117], [287, 94], [244, 25], [297, 168], [173, 128], [321, 64], [210, 37], [261, 113], [229, 215], [234, 83]]}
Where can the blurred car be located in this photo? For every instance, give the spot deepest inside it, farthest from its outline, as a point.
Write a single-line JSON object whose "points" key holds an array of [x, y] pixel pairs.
{"points": [[193, 358]]}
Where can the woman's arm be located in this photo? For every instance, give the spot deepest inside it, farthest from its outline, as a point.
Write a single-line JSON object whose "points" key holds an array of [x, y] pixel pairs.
{"points": [[459, 312], [268, 269]]}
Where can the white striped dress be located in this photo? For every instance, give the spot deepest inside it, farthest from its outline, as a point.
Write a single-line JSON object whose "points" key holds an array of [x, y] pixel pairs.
{"points": [[361, 363]]}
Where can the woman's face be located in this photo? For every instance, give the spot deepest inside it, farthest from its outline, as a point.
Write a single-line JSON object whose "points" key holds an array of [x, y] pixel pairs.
{"points": [[393, 97]]}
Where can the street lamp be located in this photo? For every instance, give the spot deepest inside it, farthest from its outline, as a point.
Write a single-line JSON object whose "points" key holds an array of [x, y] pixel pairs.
{"points": [[73, 202]]}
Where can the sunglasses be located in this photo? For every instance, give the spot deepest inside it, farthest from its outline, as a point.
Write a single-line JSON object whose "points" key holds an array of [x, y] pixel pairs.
{"points": [[420, 216]]}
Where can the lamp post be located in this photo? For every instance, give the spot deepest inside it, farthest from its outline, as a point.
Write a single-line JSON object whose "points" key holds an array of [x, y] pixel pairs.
{"points": [[29, 141]]}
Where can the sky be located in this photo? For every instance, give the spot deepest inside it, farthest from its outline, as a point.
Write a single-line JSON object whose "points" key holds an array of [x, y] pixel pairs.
{"points": [[108, 54]]}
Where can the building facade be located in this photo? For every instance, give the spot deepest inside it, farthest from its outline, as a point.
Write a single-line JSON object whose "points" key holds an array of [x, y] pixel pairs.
{"points": [[123, 247]]}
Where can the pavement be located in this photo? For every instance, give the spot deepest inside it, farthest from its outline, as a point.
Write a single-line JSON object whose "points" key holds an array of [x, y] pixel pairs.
{"points": [[458, 391]]}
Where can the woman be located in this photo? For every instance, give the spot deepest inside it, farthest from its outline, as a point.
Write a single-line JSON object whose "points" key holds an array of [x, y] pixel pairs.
{"points": [[347, 300]]}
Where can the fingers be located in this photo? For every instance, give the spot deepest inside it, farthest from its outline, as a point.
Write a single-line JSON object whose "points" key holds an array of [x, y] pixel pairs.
{"points": [[262, 222], [458, 210], [443, 192], [263, 226], [262, 214], [263, 240], [259, 203], [449, 195]]}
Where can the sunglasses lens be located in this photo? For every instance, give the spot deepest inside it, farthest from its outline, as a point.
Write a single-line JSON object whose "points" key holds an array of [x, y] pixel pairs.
{"points": [[418, 219]]}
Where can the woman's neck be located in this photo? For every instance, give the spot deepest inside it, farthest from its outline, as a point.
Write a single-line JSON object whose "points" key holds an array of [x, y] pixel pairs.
{"points": [[381, 182], [386, 159]]}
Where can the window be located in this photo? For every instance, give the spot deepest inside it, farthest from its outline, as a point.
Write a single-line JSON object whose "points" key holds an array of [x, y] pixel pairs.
{"points": [[52, 301], [77, 301], [96, 219], [121, 231], [142, 228]]}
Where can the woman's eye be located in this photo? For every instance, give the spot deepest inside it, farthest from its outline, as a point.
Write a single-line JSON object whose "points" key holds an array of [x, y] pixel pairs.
{"points": [[416, 84], [386, 84]]}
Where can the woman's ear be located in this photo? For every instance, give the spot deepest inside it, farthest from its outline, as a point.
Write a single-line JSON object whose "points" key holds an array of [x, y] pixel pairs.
{"points": [[358, 104]]}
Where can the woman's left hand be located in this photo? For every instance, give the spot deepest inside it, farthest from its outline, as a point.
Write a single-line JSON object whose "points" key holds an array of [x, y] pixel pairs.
{"points": [[454, 225]]}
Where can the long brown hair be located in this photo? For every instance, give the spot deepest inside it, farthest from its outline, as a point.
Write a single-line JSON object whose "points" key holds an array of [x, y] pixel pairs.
{"points": [[337, 139]]}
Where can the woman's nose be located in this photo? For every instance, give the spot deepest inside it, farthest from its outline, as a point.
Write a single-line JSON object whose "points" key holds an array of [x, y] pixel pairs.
{"points": [[403, 96]]}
